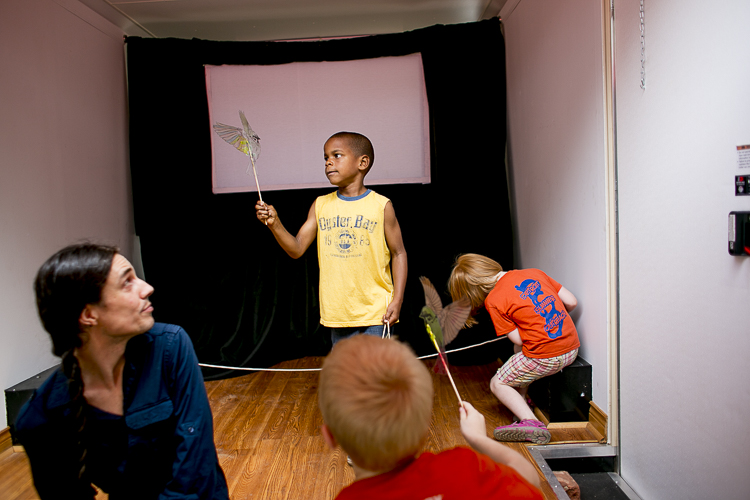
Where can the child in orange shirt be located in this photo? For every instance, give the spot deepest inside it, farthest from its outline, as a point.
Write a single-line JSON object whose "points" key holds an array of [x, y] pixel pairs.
{"points": [[532, 309]]}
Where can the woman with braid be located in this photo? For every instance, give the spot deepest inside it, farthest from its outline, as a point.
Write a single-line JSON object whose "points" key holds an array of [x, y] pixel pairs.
{"points": [[127, 411]]}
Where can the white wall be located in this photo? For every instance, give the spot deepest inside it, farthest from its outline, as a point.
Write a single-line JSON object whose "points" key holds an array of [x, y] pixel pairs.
{"points": [[63, 158], [556, 141], [685, 335]]}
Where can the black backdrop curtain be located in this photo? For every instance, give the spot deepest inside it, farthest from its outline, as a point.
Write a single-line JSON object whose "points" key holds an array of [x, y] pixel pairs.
{"points": [[219, 273]]}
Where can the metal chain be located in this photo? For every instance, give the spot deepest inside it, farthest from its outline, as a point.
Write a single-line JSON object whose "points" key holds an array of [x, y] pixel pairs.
{"points": [[643, 49]]}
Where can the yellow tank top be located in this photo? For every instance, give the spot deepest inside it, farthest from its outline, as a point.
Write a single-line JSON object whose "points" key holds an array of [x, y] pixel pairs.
{"points": [[354, 259]]}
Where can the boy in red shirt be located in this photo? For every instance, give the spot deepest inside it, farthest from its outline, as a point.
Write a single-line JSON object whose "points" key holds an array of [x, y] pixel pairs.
{"points": [[532, 309], [376, 400]]}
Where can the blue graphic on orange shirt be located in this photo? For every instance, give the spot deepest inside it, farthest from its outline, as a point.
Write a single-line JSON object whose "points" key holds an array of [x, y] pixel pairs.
{"points": [[544, 307]]}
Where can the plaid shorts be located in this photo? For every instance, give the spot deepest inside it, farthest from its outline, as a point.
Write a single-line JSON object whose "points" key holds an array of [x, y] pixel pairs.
{"points": [[520, 371]]}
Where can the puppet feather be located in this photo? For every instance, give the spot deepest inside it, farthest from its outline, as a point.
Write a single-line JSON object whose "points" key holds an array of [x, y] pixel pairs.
{"points": [[244, 139], [449, 320]]}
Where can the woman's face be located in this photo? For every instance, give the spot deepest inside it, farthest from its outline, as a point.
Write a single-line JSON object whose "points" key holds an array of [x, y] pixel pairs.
{"points": [[124, 309]]}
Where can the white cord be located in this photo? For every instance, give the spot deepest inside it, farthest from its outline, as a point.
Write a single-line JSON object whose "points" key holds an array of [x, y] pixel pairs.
{"points": [[386, 325], [463, 348], [242, 368], [386, 330]]}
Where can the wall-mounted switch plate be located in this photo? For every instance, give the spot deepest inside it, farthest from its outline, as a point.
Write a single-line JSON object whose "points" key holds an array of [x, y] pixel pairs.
{"points": [[742, 185]]}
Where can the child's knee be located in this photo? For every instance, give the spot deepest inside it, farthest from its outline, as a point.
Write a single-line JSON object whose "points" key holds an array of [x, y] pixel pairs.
{"points": [[495, 383]]}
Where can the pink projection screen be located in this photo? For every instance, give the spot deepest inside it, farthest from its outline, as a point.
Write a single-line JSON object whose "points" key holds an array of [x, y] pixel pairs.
{"points": [[294, 108]]}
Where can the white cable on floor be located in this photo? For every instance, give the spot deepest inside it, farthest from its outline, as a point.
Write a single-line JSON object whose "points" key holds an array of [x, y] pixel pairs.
{"points": [[206, 365]]}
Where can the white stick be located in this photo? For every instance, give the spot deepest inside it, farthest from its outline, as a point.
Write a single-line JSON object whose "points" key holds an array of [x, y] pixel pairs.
{"points": [[255, 174], [446, 369], [256, 177]]}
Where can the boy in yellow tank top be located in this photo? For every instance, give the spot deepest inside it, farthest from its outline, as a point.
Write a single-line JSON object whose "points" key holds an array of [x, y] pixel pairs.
{"points": [[360, 249]]}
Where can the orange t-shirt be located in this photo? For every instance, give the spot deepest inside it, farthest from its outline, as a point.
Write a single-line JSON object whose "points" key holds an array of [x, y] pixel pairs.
{"points": [[527, 299]]}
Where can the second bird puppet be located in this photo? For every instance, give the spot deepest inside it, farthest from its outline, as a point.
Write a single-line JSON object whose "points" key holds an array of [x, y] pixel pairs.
{"points": [[444, 322]]}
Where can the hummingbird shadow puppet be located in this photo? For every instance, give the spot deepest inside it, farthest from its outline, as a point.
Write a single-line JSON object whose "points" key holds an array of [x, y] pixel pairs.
{"points": [[443, 322]]}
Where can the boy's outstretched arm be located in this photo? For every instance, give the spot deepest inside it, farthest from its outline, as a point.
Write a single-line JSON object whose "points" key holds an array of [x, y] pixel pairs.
{"points": [[475, 432], [399, 266], [295, 246]]}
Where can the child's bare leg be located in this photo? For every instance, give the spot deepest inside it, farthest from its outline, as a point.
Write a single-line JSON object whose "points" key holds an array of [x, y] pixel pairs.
{"points": [[518, 370], [523, 391], [512, 399]]}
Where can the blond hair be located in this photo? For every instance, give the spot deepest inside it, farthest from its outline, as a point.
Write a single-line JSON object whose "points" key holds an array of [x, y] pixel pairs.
{"points": [[473, 276], [376, 399]]}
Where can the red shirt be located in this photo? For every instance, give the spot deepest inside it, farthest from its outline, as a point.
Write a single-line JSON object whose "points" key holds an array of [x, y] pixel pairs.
{"points": [[458, 473], [527, 299]]}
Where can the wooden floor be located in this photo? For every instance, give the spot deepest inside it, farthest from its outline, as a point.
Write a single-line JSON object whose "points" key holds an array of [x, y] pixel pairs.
{"points": [[267, 433]]}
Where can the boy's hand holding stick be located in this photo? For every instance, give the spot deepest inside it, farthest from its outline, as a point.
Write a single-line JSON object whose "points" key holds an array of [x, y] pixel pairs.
{"points": [[264, 212]]}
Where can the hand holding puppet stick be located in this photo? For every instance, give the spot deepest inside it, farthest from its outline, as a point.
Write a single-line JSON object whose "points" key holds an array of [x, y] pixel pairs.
{"points": [[245, 140], [443, 324]]}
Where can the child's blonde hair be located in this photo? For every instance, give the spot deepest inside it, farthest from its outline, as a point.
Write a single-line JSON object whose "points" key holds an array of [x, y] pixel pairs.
{"points": [[376, 399], [473, 276]]}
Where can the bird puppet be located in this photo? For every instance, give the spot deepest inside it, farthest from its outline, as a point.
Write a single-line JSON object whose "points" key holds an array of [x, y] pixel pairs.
{"points": [[245, 140], [446, 322], [443, 322]]}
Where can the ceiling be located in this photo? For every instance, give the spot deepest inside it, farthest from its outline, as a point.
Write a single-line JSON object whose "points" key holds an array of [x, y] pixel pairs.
{"points": [[243, 20]]}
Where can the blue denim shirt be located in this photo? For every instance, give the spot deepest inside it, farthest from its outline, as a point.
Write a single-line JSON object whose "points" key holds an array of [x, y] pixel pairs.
{"points": [[162, 447]]}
